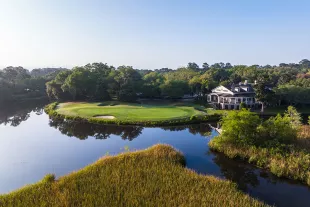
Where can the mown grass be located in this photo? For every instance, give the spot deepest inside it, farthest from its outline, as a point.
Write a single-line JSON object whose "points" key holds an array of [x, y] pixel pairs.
{"points": [[131, 113], [152, 177], [292, 161], [128, 111]]}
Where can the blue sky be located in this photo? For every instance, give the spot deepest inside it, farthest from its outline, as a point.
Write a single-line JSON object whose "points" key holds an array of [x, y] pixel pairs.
{"points": [[152, 33]]}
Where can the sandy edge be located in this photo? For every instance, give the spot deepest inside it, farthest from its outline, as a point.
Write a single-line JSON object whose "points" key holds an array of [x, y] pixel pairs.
{"points": [[105, 117]]}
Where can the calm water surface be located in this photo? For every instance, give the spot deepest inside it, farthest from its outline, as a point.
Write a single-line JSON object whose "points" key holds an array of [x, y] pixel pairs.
{"points": [[32, 145]]}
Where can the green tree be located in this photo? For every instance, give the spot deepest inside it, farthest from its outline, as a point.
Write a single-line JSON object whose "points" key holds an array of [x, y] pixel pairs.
{"points": [[196, 85], [275, 131], [240, 127], [305, 63], [125, 83], [205, 66], [53, 87], [151, 84], [293, 116], [193, 66], [5, 91], [78, 84], [293, 95], [262, 93], [174, 89]]}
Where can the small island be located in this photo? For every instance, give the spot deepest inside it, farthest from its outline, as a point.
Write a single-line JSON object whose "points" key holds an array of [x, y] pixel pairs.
{"points": [[123, 113]]}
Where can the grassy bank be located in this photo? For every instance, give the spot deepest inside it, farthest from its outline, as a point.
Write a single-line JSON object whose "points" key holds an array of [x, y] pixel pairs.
{"points": [[152, 177], [291, 161], [132, 114]]}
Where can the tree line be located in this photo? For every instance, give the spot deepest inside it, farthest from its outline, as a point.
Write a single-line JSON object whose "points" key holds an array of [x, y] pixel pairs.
{"points": [[18, 83], [278, 84], [290, 83]]}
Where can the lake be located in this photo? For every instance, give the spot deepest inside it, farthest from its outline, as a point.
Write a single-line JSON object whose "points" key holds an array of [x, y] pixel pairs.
{"points": [[32, 145]]}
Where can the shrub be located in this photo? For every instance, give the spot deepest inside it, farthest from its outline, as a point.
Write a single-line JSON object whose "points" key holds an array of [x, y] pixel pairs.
{"points": [[245, 127], [240, 127], [271, 144], [243, 105], [276, 130], [293, 116]]}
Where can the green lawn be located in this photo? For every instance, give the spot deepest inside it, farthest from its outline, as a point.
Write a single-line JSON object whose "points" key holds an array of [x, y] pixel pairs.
{"points": [[130, 111], [151, 177]]}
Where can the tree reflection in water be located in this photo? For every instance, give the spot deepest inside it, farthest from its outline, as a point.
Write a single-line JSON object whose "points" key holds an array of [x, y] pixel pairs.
{"points": [[203, 129], [14, 115], [241, 173], [83, 130]]}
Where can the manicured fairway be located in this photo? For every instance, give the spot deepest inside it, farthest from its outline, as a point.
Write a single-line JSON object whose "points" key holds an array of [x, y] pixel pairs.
{"points": [[129, 112], [152, 177]]}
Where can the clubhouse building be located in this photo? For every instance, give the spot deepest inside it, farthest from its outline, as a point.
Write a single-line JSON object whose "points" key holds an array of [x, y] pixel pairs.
{"points": [[231, 97]]}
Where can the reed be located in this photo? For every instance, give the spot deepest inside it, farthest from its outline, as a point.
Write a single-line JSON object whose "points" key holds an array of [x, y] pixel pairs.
{"points": [[152, 177]]}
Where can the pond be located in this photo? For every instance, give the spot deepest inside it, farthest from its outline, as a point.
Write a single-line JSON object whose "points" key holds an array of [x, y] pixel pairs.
{"points": [[32, 145]]}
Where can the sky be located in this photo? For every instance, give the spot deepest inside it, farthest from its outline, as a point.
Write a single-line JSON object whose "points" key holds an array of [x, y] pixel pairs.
{"points": [[150, 34]]}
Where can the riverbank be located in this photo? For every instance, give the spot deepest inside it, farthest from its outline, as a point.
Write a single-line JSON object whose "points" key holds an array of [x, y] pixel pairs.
{"points": [[131, 113], [291, 161], [152, 177]]}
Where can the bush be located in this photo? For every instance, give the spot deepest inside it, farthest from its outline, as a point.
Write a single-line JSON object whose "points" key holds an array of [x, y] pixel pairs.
{"points": [[240, 127], [276, 130], [243, 106], [271, 144], [246, 128]]}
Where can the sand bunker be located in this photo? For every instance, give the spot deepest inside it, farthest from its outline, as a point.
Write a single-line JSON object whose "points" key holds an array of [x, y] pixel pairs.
{"points": [[105, 117]]}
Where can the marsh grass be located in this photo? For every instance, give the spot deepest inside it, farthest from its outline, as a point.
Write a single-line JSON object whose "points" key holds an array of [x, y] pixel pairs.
{"points": [[152, 177], [292, 162], [303, 139]]}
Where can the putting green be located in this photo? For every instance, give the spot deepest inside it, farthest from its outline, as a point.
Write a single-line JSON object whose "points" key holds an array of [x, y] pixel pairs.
{"points": [[129, 111]]}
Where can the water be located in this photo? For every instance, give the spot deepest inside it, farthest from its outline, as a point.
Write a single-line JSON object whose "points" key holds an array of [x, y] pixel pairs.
{"points": [[32, 146]]}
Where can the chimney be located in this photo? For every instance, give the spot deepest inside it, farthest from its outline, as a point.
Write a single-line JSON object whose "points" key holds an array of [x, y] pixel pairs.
{"points": [[246, 82]]}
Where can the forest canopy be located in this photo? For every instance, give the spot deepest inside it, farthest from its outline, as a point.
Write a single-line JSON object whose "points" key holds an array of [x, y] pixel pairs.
{"points": [[290, 82]]}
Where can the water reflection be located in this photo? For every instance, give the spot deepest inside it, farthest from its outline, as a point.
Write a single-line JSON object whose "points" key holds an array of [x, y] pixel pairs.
{"points": [[202, 129], [15, 114], [84, 130], [26, 148], [243, 174]]}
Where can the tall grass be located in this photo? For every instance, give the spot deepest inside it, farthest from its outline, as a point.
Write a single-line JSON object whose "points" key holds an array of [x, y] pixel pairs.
{"points": [[303, 139], [291, 161], [152, 177]]}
